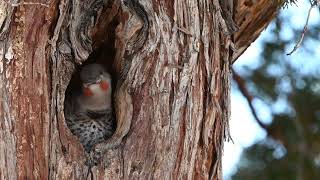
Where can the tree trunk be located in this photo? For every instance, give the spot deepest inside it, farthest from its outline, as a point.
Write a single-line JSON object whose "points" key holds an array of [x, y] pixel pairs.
{"points": [[170, 62]]}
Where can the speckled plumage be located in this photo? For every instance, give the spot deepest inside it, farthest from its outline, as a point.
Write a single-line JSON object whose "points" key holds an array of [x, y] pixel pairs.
{"points": [[91, 119], [91, 128]]}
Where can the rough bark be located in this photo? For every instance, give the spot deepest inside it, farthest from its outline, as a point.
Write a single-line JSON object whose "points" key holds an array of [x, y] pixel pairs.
{"points": [[172, 91]]}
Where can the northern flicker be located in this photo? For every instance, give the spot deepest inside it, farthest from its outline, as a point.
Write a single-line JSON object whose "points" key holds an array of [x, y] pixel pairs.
{"points": [[88, 110]]}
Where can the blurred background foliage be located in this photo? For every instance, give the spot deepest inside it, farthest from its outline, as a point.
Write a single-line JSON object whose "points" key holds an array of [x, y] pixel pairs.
{"points": [[289, 89]]}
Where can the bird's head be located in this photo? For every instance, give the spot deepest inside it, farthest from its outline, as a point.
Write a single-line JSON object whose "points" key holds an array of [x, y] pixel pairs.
{"points": [[95, 80]]}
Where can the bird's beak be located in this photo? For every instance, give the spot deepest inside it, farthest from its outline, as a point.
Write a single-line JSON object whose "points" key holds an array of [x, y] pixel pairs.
{"points": [[89, 84], [86, 85]]}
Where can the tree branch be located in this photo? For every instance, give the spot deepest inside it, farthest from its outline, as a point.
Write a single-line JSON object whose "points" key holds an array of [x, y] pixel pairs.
{"points": [[305, 28], [243, 89]]}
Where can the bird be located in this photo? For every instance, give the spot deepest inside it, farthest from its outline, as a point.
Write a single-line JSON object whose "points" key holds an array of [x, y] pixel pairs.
{"points": [[88, 109]]}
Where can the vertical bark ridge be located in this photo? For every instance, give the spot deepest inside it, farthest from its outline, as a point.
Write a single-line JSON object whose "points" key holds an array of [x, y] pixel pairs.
{"points": [[176, 118]]}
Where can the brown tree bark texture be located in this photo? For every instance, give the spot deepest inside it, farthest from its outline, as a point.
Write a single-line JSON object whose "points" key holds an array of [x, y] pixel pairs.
{"points": [[173, 100]]}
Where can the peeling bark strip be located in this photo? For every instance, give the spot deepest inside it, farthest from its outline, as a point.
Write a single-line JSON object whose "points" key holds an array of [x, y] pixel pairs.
{"points": [[24, 92], [172, 61]]}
